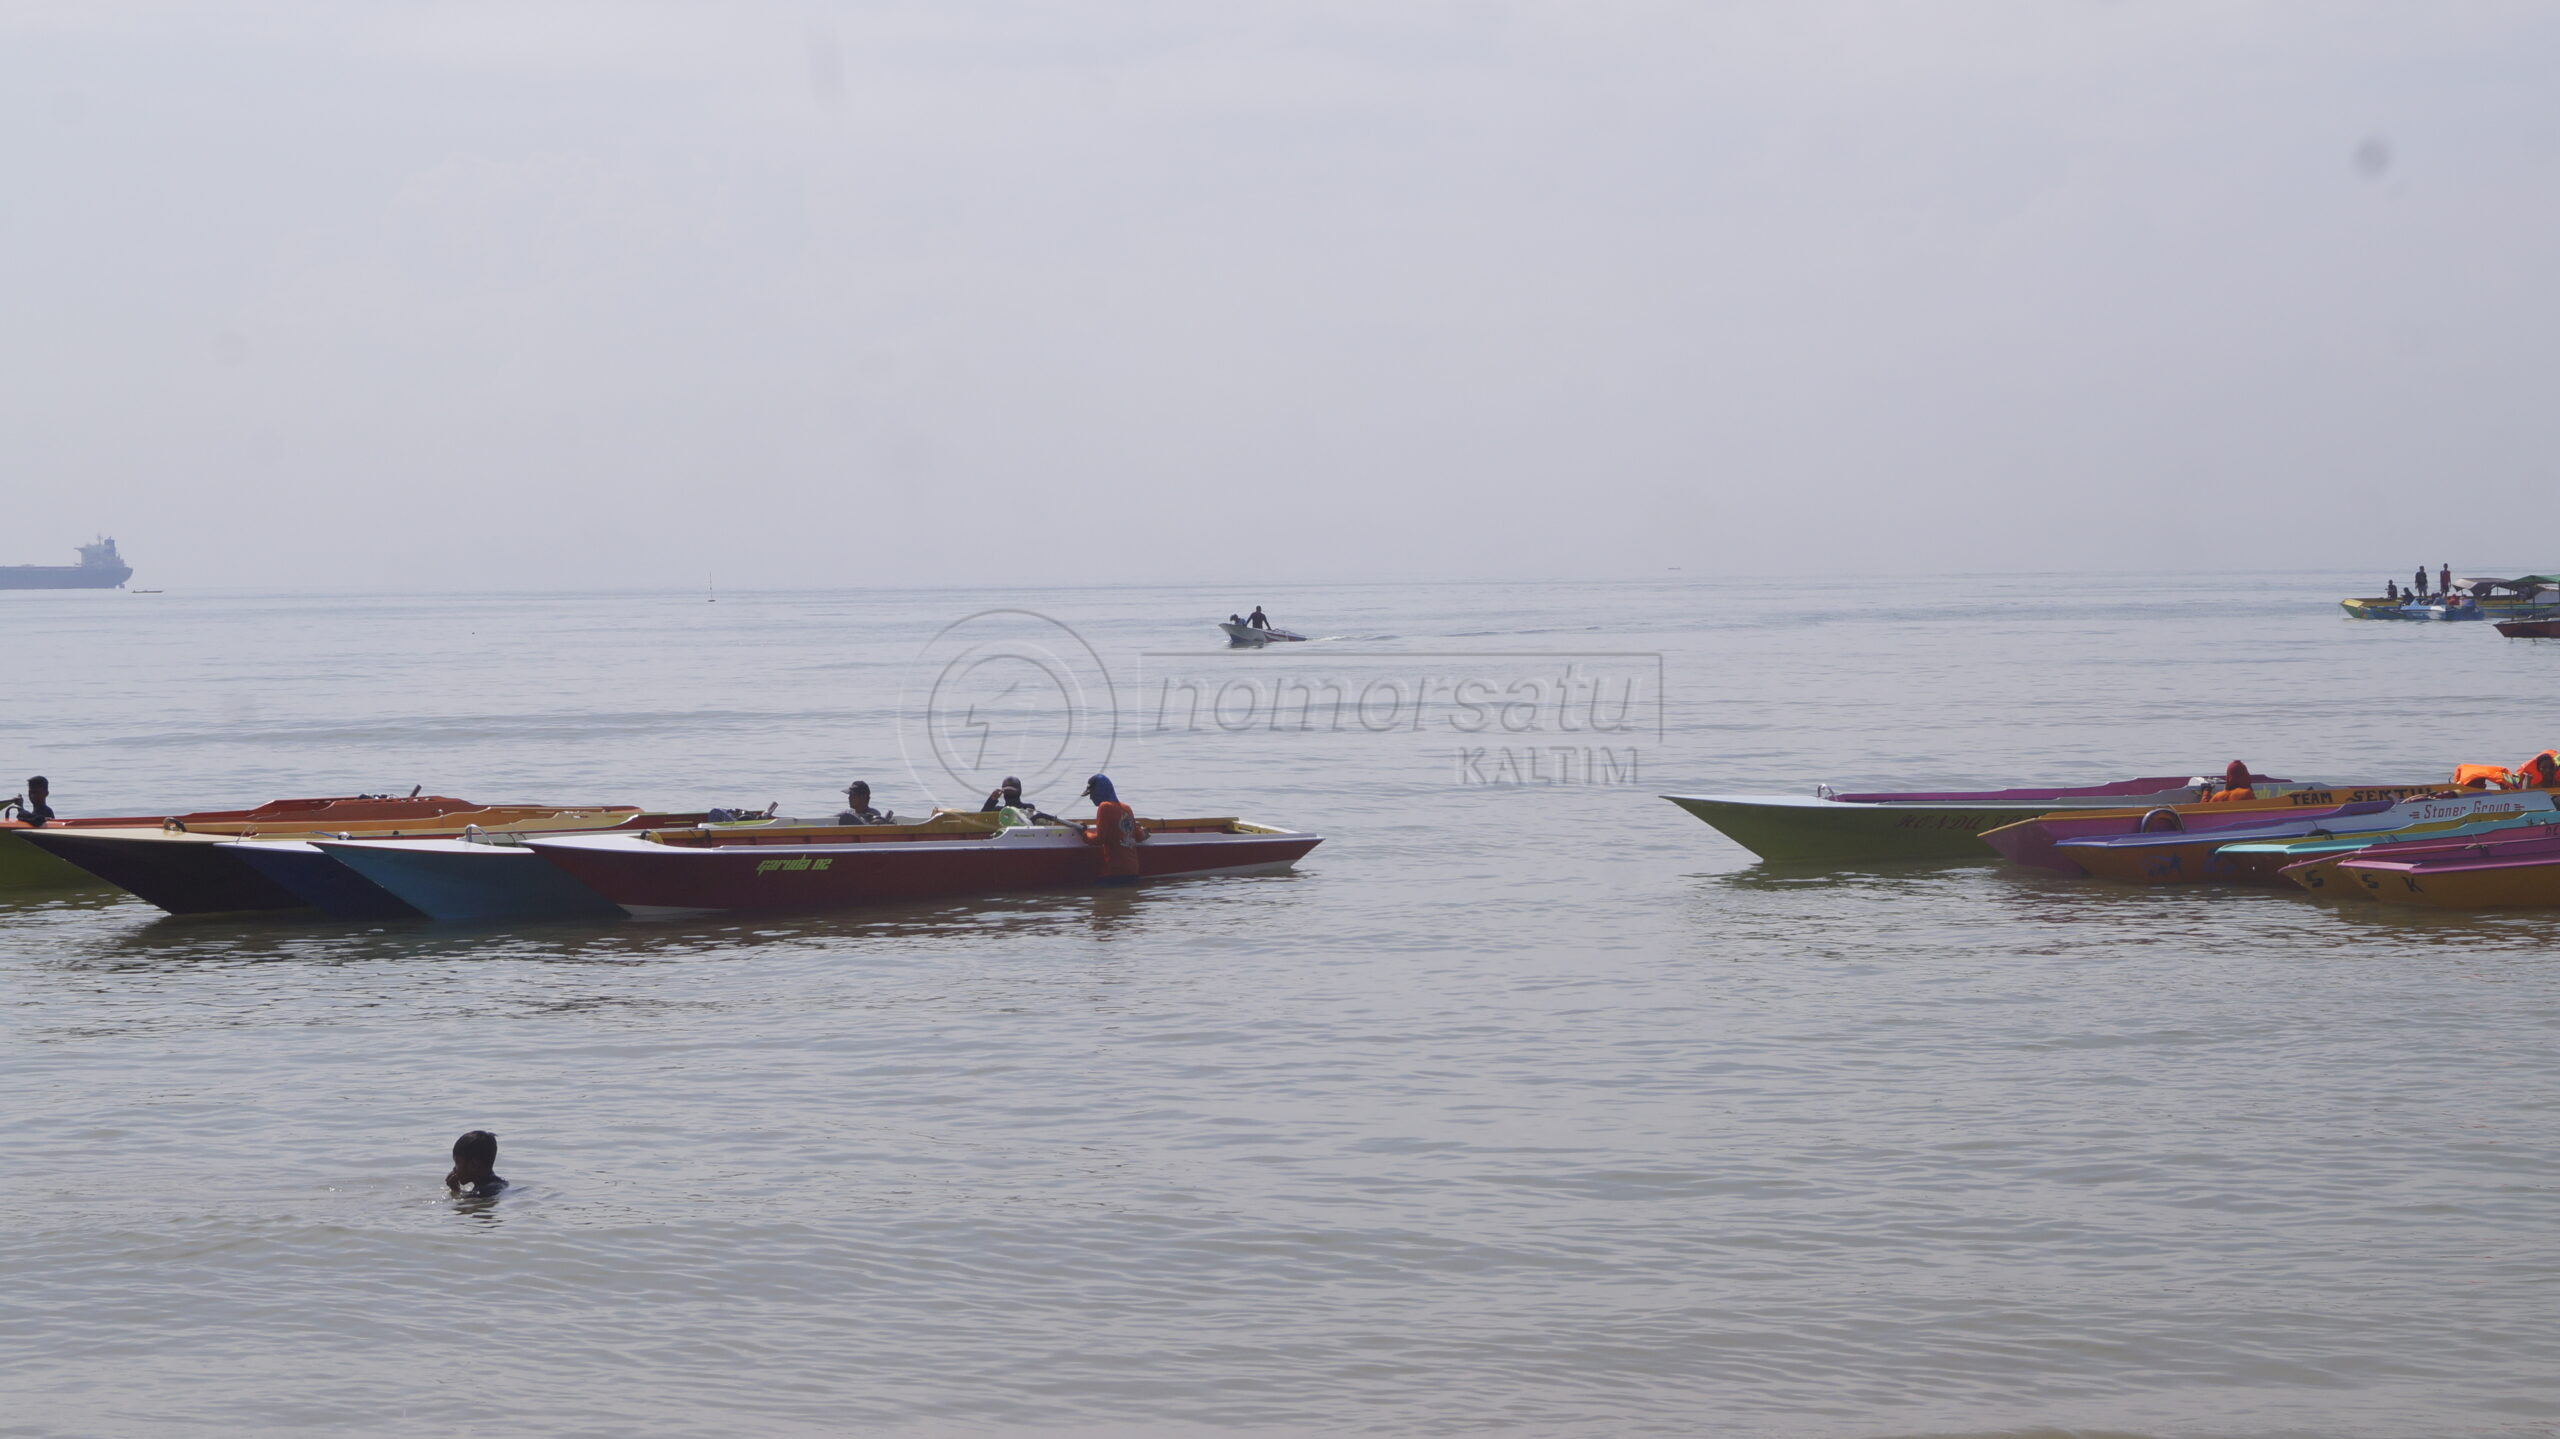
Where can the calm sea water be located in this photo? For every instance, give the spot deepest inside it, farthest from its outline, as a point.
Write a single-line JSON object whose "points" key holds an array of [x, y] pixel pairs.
{"points": [[1528, 1104]]}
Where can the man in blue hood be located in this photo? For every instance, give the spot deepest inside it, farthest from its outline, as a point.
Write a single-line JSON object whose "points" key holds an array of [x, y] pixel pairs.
{"points": [[1115, 828]]}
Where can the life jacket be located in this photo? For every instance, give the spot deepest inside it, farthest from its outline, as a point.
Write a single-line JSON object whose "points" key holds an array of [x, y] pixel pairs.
{"points": [[2231, 794], [2482, 776], [1115, 827], [2540, 772]]}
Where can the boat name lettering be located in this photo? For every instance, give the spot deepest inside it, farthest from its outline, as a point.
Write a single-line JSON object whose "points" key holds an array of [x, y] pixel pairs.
{"points": [[1970, 821], [799, 862]]}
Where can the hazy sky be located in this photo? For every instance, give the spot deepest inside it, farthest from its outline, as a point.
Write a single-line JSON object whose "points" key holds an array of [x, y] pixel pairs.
{"points": [[455, 294]]}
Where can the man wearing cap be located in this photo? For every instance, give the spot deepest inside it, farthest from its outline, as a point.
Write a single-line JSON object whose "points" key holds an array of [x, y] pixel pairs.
{"points": [[857, 806]]}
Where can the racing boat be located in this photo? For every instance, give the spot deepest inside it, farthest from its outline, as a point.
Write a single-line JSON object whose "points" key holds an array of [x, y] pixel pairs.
{"points": [[26, 866], [2313, 863], [2035, 842], [1922, 824], [1254, 634], [2475, 874], [479, 879], [187, 871], [954, 853], [2178, 857]]}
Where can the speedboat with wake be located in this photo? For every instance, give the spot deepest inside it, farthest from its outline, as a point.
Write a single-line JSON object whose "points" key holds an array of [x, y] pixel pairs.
{"points": [[1240, 634]]}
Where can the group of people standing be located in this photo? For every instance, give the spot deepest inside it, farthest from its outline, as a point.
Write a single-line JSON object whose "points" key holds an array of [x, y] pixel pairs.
{"points": [[2418, 585]]}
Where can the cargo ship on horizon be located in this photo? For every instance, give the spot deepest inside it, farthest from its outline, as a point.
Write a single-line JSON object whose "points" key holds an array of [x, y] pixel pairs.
{"points": [[100, 568]]}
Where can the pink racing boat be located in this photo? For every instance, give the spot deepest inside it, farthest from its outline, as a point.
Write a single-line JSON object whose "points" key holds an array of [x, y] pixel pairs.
{"points": [[2036, 841], [2478, 875], [831, 867]]}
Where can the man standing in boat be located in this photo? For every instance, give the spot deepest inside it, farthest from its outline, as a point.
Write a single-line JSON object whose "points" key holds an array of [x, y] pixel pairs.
{"points": [[2418, 584], [2444, 582], [1256, 620]]}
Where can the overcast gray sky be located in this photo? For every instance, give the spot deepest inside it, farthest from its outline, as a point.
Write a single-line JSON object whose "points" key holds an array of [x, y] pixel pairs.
{"points": [[592, 294]]}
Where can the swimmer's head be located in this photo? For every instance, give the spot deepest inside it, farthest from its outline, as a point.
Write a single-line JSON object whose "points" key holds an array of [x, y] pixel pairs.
{"points": [[475, 1153], [472, 1176]]}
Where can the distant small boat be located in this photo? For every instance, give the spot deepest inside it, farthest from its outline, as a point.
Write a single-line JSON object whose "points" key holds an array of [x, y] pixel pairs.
{"points": [[2525, 597], [1251, 635], [2530, 629], [2430, 610]]}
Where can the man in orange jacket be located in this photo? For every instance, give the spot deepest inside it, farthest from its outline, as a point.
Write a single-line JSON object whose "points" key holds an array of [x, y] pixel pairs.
{"points": [[1115, 828], [2235, 784]]}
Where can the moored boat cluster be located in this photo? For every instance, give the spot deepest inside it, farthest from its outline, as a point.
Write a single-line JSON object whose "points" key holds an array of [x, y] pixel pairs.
{"points": [[372, 857], [2488, 836]]}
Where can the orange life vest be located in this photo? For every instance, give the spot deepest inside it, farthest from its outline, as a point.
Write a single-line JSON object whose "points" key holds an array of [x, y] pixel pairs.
{"points": [[1115, 827], [2540, 772], [2482, 776], [2225, 796]]}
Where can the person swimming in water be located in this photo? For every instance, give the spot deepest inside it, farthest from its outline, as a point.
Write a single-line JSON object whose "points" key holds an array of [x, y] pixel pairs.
{"points": [[474, 1175]]}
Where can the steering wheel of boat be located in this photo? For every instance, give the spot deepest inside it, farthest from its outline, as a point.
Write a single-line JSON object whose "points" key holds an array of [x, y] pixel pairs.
{"points": [[2177, 823]]}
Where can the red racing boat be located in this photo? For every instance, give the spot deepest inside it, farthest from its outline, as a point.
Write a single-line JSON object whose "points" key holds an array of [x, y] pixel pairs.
{"points": [[830, 867]]}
